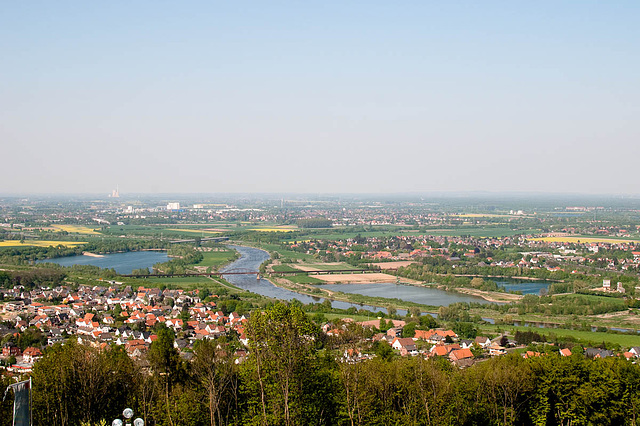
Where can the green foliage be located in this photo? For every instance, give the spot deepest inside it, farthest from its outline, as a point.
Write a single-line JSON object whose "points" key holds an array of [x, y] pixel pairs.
{"points": [[318, 222], [282, 346], [286, 379], [465, 330], [75, 383]]}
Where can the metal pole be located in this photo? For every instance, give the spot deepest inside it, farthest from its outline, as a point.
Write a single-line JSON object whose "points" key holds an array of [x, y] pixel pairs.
{"points": [[30, 403]]}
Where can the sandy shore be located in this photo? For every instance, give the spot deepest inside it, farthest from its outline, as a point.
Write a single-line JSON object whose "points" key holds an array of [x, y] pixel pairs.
{"points": [[490, 296], [86, 253], [361, 278], [393, 265]]}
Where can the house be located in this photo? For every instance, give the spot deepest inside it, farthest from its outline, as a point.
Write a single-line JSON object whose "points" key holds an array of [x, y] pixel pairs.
{"points": [[597, 353], [351, 355], [435, 336], [405, 345], [175, 323], [439, 350], [565, 352], [483, 342], [10, 349], [460, 354], [466, 344], [443, 350], [394, 332], [496, 349], [31, 355]]}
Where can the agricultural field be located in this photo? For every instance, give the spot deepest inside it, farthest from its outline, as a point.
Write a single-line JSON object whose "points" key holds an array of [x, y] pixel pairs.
{"points": [[584, 239], [480, 215], [217, 258], [335, 266], [75, 229], [276, 229], [195, 231], [625, 340], [40, 243], [304, 279], [341, 234], [480, 232], [289, 254], [357, 278], [284, 268], [344, 233]]}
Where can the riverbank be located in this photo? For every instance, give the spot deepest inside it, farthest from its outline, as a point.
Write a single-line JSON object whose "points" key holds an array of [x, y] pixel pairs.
{"points": [[362, 278], [354, 298], [489, 296], [504, 277], [86, 253]]}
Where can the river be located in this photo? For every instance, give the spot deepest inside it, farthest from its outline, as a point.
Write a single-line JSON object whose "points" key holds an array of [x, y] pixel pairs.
{"points": [[251, 259], [123, 263], [409, 293]]}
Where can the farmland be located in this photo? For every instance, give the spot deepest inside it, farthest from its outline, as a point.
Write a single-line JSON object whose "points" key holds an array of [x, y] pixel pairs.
{"points": [[584, 239], [76, 229], [40, 243], [217, 258]]}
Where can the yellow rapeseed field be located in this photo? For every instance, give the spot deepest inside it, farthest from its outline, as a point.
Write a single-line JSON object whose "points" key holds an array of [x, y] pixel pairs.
{"points": [[40, 243], [575, 239], [75, 229]]}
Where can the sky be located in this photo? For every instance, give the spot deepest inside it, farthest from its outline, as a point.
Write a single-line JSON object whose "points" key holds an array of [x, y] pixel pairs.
{"points": [[319, 97]]}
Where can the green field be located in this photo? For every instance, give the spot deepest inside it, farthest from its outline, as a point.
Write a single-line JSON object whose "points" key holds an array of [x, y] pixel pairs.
{"points": [[289, 254], [331, 267], [483, 232], [285, 268], [344, 233], [304, 279], [585, 337], [217, 258]]}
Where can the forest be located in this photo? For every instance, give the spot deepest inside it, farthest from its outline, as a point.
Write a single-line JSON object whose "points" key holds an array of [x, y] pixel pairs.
{"points": [[291, 375]]}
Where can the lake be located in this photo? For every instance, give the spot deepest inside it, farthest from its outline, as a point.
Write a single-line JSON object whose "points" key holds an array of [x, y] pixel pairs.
{"points": [[123, 263], [409, 293], [524, 286]]}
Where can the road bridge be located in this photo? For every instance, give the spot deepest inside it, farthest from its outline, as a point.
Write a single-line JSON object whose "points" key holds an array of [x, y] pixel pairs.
{"points": [[202, 240]]}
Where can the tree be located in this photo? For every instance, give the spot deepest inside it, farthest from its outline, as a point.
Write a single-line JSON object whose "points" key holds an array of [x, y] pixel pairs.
{"points": [[281, 343], [465, 330], [477, 282], [409, 330], [75, 383], [215, 371], [165, 362]]}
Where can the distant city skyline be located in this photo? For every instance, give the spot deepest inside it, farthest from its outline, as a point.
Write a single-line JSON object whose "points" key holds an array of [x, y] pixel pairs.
{"points": [[216, 97]]}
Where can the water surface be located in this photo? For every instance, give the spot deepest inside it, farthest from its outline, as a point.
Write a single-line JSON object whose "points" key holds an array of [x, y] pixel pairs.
{"points": [[409, 293], [123, 263]]}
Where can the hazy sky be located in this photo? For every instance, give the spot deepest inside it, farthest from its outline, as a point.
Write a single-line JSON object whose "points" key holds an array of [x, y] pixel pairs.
{"points": [[330, 96]]}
